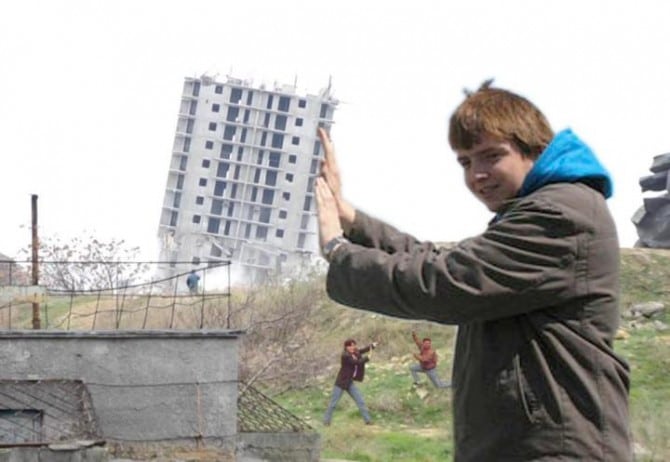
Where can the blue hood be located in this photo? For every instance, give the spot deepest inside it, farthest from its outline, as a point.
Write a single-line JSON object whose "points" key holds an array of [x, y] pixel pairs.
{"points": [[567, 160]]}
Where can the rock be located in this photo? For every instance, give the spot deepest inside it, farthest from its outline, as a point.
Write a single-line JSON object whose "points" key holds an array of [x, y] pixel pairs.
{"points": [[660, 325], [648, 309], [621, 334]]}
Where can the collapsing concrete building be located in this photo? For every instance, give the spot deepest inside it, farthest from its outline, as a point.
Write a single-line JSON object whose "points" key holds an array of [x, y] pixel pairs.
{"points": [[652, 220], [240, 181]]}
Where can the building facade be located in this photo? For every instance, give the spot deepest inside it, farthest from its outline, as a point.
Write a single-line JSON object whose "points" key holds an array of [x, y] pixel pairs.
{"points": [[240, 179]]}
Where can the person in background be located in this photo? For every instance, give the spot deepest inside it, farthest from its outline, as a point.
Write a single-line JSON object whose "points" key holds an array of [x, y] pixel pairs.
{"points": [[427, 364], [192, 281], [535, 296], [352, 369]]}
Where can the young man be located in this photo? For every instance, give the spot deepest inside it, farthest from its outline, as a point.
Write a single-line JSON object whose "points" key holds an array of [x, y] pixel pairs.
{"points": [[352, 368], [427, 362], [535, 295]]}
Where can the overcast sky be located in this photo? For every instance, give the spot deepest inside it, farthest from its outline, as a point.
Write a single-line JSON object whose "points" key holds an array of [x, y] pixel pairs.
{"points": [[91, 90]]}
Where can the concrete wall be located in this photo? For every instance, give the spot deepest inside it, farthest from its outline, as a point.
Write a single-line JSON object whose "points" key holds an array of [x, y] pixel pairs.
{"points": [[162, 386]]}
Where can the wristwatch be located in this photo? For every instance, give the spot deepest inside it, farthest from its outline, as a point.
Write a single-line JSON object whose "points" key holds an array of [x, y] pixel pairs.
{"points": [[333, 244]]}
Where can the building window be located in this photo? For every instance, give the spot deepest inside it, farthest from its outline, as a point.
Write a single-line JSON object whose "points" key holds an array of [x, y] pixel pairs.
{"points": [[266, 121], [219, 188], [226, 229], [217, 207], [292, 159], [259, 159], [199, 200], [302, 103], [235, 95], [261, 233], [286, 195], [173, 218], [193, 108], [301, 240], [247, 231], [196, 88], [180, 181], [264, 137], [295, 140], [236, 175], [279, 233], [189, 126], [233, 112], [202, 182], [229, 132], [243, 137], [289, 177], [268, 196], [264, 215], [205, 163], [304, 221], [231, 209], [317, 148], [187, 144], [213, 225], [195, 260], [257, 176], [278, 140], [298, 122], [216, 107], [212, 126], [233, 191], [280, 122], [246, 116], [314, 167], [324, 111], [182, 163], [209, 144], [284, 103], [275, 158], [270, 178], [218, 89], [226, 150], [222, 169], [196, 219], [283, 214], [250, 97], [308, 203], [177, 200], [270, 100]]}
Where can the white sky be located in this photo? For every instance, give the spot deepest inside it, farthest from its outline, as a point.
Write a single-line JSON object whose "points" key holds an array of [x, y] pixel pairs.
{"points": [[91, 90]]}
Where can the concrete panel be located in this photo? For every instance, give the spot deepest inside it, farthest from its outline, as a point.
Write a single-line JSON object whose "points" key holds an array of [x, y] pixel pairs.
{"points": [[144, 385]]}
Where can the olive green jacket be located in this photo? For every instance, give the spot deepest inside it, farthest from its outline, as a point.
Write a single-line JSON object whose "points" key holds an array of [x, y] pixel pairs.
{"points": [[536, 301]]}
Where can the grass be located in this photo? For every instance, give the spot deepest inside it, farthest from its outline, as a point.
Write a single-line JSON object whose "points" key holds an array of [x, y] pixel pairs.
{"points": [[409, 427]]}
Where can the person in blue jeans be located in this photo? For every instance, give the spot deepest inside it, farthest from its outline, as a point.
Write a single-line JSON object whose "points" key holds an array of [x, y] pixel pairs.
{"points": [[352, 368], [427, 364]]}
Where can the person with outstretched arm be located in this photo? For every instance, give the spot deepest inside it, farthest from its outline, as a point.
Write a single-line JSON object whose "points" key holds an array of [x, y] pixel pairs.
{"points": [[535, 296]]}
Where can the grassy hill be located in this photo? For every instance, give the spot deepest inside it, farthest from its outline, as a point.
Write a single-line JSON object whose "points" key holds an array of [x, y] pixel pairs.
{"points": [[415, 425]]}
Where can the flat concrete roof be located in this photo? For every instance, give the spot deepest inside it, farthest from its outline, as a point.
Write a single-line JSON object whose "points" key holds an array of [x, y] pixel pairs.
{"points": [[146, 333]]}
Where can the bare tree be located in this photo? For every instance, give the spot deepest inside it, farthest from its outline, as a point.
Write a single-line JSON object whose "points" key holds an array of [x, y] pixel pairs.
{"points": [[87, 263], [277, 318]]}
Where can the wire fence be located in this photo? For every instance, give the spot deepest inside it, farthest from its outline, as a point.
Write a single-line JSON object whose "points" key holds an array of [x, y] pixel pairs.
{"points": [[36, 412], [43, 412], [118, 295]]}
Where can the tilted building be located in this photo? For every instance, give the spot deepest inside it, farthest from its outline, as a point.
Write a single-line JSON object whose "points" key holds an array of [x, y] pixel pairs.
{"points": [[240, 180]]}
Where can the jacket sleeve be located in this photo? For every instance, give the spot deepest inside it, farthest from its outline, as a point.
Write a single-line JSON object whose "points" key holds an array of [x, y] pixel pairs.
{"points": [[526, 260]]}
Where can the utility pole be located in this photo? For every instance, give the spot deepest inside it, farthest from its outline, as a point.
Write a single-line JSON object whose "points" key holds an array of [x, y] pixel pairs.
{"points": [[35, 258]]}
